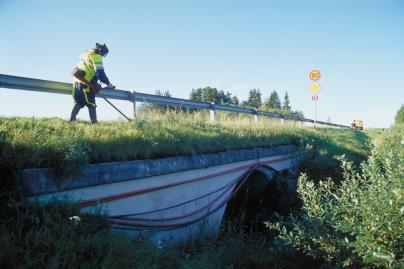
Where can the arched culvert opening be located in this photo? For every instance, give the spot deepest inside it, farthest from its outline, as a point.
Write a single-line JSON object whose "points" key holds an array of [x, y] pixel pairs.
{"points": [[255, 201]]}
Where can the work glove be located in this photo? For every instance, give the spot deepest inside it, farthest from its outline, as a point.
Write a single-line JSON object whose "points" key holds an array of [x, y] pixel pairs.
{"points": [[110, 86], [95, 88]]}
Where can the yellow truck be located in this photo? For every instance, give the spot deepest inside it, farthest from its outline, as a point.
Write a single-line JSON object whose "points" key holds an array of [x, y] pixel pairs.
{"points": [[357, 124]]}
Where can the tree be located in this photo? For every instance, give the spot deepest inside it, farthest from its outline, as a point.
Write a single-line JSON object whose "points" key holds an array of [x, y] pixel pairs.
{"points": [[196, 95], [297, 113], [221, 97], [161, 93], [210, 95], [399, 118], [227, 98], [286, 103], [234, 101], [273, 102], [254, 98]]}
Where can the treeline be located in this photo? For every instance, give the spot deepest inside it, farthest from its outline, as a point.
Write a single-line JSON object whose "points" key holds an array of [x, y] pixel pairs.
{"points": [[255, 100]]}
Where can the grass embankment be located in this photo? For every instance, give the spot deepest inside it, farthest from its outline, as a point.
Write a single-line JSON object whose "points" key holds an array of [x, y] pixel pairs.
{"points": [[33, 236], [33, 143]]}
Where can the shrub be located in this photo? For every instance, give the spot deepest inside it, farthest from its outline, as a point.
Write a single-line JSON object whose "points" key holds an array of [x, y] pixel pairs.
{"points": [[359, 222]]}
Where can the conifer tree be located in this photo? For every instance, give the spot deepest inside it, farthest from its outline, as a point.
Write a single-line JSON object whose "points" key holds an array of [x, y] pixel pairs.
{"points": [[273, 102], [286, 103], [254, 98], [234, 101]]}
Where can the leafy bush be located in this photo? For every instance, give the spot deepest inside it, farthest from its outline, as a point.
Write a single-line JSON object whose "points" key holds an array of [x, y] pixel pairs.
{"points": [[359, 222]]}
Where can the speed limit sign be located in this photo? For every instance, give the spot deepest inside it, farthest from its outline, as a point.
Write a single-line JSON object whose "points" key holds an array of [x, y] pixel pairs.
{"points": [[315, 75]]}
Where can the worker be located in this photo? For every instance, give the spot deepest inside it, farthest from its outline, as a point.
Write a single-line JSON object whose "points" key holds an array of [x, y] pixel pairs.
{"points": [[86, 75]]}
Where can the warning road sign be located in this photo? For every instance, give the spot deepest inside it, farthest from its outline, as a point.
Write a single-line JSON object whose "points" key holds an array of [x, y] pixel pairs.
{"points": [[315, 88]]}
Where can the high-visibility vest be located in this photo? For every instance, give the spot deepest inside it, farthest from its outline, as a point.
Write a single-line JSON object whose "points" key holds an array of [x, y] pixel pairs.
{"points": [[90, 62]]}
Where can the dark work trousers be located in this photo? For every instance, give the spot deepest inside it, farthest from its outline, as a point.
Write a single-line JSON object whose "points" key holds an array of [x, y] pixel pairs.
{"points": [[83, 98]]}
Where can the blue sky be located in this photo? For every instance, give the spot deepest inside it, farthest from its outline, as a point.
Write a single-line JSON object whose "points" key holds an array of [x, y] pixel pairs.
{"points": [[231, 45]]}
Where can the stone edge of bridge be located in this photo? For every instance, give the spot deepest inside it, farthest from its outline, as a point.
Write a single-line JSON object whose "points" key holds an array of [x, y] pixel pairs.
{"points": [[42, 180]]}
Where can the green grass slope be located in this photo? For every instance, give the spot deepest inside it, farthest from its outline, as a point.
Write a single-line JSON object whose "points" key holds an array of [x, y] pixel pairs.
{"points": [[30, 142], [46, 236]]}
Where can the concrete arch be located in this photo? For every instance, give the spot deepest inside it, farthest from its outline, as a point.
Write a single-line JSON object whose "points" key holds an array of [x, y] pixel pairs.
{"points": [[255, 199]]}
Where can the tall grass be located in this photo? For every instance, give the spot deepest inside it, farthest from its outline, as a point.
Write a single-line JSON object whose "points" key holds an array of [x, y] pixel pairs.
{"points": [[34, 143], [152, 136]]}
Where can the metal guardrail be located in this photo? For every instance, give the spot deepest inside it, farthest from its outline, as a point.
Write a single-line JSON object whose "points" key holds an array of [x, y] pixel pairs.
{"points": [[39, 85]]}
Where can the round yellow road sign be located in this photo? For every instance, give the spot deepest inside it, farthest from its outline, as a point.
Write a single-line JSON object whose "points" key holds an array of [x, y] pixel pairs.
{"points": [[315, 88], [315, 75]]}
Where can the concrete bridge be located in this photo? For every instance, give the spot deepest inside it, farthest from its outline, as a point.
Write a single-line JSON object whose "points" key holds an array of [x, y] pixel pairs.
{"points": [[168, 199]]}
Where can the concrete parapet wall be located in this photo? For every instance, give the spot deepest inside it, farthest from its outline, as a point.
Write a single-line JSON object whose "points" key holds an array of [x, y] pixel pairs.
{"points": [[42, 180]]}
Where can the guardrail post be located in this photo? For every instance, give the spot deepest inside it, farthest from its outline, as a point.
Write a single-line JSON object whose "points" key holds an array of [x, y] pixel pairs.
{"points": [[212, 112], [134, 104], [255, 116], [282, 121]]}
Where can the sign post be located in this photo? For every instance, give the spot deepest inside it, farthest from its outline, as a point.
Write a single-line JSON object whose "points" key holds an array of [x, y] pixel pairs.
{"points": [[315, 89], [314, 98]]}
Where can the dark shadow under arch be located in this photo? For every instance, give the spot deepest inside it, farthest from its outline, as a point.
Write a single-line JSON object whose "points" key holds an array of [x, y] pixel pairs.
{"points": [[256, 199]]}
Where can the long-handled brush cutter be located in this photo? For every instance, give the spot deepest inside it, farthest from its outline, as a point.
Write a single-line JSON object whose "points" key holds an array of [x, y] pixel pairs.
{"points": [[120, 112]]}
